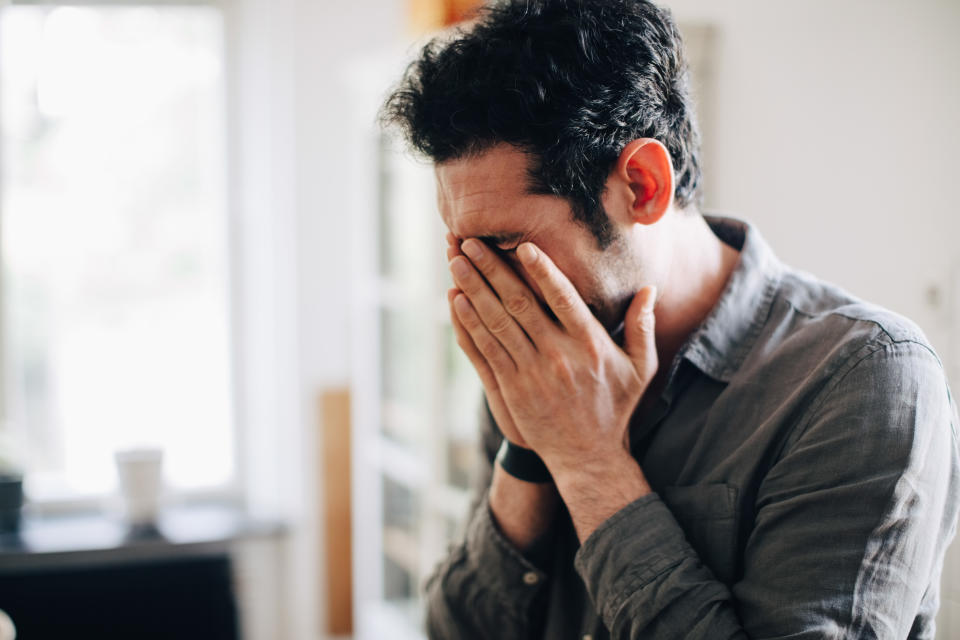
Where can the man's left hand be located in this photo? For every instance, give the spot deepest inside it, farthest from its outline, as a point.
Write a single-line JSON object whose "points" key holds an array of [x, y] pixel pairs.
{"points": [[570, 389]]}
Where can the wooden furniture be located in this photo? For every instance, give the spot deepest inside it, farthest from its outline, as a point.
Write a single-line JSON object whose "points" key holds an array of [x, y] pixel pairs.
{"points": [[335, 454]]}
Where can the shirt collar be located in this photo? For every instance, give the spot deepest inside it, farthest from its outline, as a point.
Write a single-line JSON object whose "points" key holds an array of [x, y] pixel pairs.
{"points": [[721, 342]]}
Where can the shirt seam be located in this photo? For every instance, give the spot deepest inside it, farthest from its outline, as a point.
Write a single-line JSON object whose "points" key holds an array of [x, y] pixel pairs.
{"points": [[835, 381], [893, 339]]}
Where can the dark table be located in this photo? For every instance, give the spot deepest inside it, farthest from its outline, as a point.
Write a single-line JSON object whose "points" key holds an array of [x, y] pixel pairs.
{"points": [[87, 576]]}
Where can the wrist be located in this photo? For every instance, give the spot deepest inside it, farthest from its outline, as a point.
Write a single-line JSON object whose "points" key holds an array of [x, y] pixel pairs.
{"points": [[523, 511], [604, 469], [598, 487]]}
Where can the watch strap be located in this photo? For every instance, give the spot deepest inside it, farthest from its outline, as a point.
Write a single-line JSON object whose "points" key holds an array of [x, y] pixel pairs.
{"points": [[523, 464]]}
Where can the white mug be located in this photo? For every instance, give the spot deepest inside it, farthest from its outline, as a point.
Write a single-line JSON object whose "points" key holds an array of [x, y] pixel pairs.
{"points": [[140, 472]]}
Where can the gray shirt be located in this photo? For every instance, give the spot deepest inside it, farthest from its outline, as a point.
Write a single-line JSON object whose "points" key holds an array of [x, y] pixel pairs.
{"points": [[804, 462]]}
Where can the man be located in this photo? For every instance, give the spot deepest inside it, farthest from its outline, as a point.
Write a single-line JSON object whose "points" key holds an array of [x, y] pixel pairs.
{"points": [[689, 439]]}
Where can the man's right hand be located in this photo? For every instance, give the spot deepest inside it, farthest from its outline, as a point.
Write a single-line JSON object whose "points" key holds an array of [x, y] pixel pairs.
{"points": [[494, 398], [524, 511]]}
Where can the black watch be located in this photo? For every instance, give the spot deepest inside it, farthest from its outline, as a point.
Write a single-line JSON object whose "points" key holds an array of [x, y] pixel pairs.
{"points": [[522, 464]]}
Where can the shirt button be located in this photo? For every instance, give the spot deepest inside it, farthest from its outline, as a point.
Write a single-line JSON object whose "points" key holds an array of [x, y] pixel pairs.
{"points": [[531, 578]]}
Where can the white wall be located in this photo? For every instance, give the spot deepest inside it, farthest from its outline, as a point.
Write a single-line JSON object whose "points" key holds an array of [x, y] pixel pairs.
{"points": [[836, 129]]}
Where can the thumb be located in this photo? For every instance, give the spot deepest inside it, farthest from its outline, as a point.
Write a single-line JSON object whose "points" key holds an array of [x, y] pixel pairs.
{"points": [[639, 334]]}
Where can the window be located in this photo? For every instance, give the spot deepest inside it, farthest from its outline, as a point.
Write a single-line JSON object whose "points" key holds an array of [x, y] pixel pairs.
{"points": [[114, 243]]}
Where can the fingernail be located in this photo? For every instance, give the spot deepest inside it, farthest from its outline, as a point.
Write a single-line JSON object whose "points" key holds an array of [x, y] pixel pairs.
{"points": [[651, 300], [472, 248], [526, 253], [459, 267]]}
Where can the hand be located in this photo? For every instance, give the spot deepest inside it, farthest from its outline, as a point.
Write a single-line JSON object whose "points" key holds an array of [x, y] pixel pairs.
{"points": [[490, 386], [570, 390]]}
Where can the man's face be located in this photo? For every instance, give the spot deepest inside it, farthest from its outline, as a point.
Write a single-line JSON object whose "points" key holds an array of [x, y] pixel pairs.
{"points": [[485, 197]]}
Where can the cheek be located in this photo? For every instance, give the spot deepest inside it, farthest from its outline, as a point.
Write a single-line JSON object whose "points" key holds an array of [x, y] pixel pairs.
{"points": [[594, 282]]}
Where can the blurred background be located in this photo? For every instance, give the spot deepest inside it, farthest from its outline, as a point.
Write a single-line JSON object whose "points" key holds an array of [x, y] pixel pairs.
{"points": [[231, 403]]}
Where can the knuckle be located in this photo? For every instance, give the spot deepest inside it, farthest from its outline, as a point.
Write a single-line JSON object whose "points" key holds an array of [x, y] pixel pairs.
{"points": [[500, 324], [646, 322], [646, 327], [564, 300], [517, 304], [552, 353], [560, 368], [470, 284], [539, 270], [488, 345], [556, 358]]}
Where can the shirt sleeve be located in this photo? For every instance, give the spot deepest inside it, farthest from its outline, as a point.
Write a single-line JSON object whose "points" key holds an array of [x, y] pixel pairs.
{"points": [[484, 588], [851, 524]]}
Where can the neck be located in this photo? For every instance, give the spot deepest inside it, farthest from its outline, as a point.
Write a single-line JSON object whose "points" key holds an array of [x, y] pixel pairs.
{"points": [[700, 266]]}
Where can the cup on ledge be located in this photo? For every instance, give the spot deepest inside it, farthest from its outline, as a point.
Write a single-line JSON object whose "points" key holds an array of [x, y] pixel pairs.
{"points": [[140, 472]]}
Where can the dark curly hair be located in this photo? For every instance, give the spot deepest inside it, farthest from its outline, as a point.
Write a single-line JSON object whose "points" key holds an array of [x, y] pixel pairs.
{"points": [[570, 82]]}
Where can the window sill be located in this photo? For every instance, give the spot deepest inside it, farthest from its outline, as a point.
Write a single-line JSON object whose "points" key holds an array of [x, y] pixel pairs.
{"points": [[96, 538]]}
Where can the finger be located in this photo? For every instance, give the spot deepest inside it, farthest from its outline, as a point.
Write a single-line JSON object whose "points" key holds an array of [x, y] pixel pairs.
{"points": [[465, 342], [489, 347], [514, 294], [490, 310], [453, 247], [640, 333], [561, 296]]}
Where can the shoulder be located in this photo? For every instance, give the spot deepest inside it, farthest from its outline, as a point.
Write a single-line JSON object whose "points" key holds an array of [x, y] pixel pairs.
{"points": [[858, 364], [829, 308], [818, 332], [824, 355]]}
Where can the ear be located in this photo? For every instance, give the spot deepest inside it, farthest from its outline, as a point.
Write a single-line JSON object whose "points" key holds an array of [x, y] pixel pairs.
{"points": [[643, 178]]}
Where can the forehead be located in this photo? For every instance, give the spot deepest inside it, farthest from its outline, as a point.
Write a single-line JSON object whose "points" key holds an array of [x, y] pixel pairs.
{"points": [[482, 195]]}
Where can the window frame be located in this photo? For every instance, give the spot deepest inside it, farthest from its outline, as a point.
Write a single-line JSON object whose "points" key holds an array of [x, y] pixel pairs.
{"points": [[232, 492]]}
